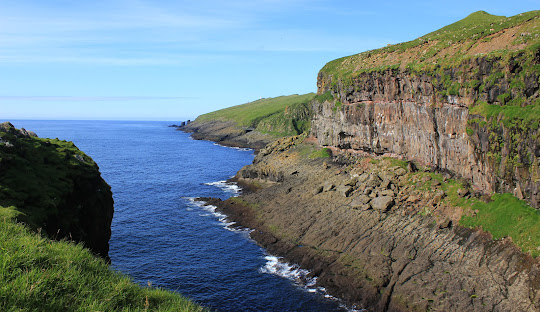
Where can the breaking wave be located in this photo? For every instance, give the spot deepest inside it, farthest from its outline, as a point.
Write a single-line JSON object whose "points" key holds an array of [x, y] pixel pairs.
{"points": [[276, 266], [227, 187]]}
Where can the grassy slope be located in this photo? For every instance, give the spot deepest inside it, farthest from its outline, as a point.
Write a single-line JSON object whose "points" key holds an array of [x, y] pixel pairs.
{"points": [[24, 168], [503, 215], [446, 46], [280, 116], [37, 274]]}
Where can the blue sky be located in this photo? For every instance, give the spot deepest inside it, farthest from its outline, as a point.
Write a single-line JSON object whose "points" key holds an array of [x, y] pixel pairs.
{"points": [[174, 60]]}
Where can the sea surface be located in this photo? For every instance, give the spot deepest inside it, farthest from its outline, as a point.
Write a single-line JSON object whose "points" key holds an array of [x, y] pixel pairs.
{"points": [[160, 235]]}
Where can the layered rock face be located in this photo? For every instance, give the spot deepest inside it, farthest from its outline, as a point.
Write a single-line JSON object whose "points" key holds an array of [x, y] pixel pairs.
{"points": [[57, 188], [411, 115]]}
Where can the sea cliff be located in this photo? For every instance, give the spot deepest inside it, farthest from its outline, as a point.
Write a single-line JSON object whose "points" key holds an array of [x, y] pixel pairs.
{"points": [[464, 98], [415, 185]]}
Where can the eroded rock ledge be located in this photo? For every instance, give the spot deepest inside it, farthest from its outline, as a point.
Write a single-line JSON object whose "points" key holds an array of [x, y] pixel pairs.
{"points": [[379, 235], [227, 133]]}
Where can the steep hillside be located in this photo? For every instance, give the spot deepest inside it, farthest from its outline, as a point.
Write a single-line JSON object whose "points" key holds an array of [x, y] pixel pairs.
{"points": [[463, 98], [255, 124], [56, 187], [393, 200]]}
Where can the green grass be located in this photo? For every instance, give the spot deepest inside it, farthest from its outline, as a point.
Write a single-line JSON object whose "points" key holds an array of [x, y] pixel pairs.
{"points": [[311, 151], [38, 274], [32, 161], [321, 153], [251, 114], [462, 35], [503, 216], [510, 114], [52, 183], [446, 55], [507, 216]]}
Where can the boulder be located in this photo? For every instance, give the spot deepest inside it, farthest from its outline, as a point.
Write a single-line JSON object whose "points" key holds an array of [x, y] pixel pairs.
{"points": [[385, 184], [361, 202], [373, 181], [382, 203], [411, 167], [362, 199], [344, 190], [328, 186], [462, 192], [400, 171]]}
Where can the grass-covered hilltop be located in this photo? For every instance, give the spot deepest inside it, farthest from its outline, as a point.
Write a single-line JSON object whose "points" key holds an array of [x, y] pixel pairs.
{"points": [[55, 217], [413, 183], [257, 123]]}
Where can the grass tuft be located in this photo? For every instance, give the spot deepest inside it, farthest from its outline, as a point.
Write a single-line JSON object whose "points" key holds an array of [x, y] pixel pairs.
{"points": [[507, 216]]}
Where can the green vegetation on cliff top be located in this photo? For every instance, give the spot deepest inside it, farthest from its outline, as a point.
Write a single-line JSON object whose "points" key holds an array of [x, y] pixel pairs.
{"points": [[32, 161], [38, 274], [279, 116], [479, 33], [483, 57]]}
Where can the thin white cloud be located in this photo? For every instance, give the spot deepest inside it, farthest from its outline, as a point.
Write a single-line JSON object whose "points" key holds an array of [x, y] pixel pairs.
{"points": [[57, 98], [145, 33]]}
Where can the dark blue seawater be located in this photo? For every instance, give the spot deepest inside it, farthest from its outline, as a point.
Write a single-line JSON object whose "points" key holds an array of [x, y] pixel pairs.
{"points": [[160, 235]]}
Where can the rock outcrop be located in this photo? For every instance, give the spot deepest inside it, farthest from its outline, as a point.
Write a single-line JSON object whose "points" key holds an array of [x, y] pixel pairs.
{"points": [[227, 133], [384, 233], [379, 235], [407, 113], [57, 188]]}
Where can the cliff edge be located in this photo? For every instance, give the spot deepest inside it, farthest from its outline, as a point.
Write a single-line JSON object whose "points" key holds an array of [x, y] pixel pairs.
{"points": [[464, 98], [57, 188]]}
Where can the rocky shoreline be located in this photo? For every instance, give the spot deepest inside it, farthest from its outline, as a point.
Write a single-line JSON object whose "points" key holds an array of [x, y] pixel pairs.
{"points": [[226, 133], [377, 233]]}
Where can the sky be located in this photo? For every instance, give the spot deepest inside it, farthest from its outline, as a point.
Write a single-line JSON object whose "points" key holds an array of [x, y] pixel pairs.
{"points": [[174, 60]]}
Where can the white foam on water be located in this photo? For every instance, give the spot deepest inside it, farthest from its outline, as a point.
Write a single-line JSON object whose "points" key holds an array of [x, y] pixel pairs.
{"points": [[234, 147], [275, 265], [227, 187], [222, 218]]}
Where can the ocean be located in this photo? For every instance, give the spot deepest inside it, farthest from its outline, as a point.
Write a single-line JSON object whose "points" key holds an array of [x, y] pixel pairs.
{"points": [[160, 235]]}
